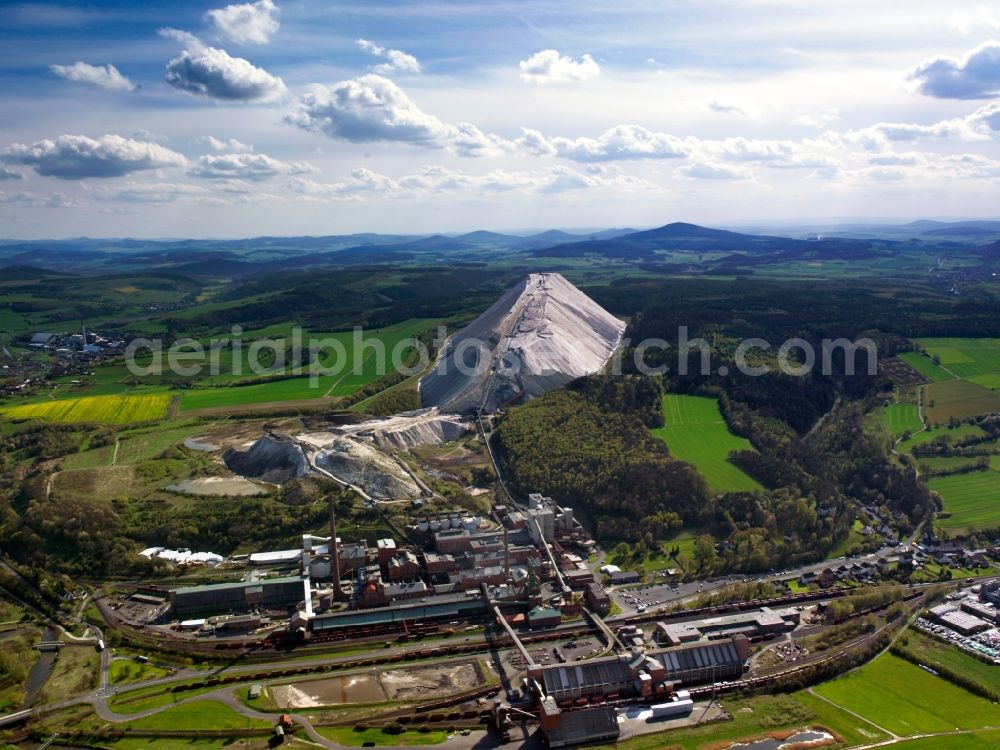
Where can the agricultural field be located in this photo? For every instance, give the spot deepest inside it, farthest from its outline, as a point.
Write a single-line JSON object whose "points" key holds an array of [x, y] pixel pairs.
{"points": [[958, 399], [966, 358], [971, 500], [965, 377], [696, 433], [926, 367], [935, 653], [99, 409], [952, 435], [899, 696], [903, 418]]}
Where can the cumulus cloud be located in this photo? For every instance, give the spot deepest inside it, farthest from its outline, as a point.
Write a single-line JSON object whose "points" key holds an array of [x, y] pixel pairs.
{"points": [[103, 76], [71, 157], [548, 66], [24, 198], [369, 108], [255, 167], [231, 145], [153, 192], [396, 61], [246, 23], [705, 170], [10, 174], [894, 158], [820, 119], [433, 180], [976, 76], [214, 73], [621, 142]]}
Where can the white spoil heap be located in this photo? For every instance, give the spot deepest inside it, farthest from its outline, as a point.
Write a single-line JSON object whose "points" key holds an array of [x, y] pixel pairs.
{"points": [[538, 336]]}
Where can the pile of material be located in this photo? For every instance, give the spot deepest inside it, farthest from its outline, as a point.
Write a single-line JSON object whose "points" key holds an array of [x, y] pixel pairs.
{"points": [[540, 335], [271, 458]]}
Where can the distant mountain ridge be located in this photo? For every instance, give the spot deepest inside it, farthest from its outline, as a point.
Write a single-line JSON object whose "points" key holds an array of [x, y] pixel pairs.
{"points": [[227, 258]]}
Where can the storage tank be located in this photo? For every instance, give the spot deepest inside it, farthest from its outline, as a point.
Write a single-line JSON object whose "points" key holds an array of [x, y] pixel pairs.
{"points": [[435, 526], [423, 526], [319, 567]]}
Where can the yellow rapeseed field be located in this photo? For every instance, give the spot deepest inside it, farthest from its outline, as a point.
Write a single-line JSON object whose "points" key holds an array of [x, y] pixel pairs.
{"points": [[103, 409]]}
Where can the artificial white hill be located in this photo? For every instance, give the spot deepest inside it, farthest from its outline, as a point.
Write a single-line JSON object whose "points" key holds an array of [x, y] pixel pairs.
{"points": [[538, 336]]}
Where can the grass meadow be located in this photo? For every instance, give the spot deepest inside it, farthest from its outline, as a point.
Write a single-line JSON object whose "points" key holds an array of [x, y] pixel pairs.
{"points": [[696, 433], [899, 696]]}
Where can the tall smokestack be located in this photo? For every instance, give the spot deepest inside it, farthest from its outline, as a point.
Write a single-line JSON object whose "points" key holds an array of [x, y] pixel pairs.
{"points": [[334, 553], [506, 555]]}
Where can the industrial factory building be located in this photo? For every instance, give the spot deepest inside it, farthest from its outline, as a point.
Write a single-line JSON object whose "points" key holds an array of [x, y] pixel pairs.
{"points": [[657, 672], [239, 596], [705, 662], [762, 622]]}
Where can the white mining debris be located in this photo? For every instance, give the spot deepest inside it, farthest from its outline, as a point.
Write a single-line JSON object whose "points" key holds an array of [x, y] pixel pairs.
{"points": [[538, 336]]}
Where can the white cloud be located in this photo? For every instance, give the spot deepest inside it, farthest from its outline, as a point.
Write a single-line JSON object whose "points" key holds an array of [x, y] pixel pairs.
{"points": [[10, 174], [548, 66], [976, 126], [726, 108], [232, 145], [255, 167], [24, 198], [894, 158], [621, 142], [78, 156], [976, 76], [704, 170], [396, 61], [104, 76], [369, 108], [152, 192], [434, 180], [214, 73], [246, 23], [821, 119]]}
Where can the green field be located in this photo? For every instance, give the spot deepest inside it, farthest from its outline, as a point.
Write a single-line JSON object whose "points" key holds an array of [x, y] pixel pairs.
{"points": [[903, 418], [935, 653], [101, 409], [202, 714], [972, 500], [953, 436], [926, 367], [941, 463], [696, 433], [351, 365], [905, 699], [965, 357], [986, 740]]}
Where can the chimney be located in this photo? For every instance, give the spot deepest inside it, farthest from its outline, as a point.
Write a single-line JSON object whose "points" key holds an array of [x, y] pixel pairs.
{"points": [[334, 553], [506, 555]]}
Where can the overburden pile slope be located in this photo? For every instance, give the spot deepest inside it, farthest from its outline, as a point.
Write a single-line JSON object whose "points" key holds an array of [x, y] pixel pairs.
{"points": [[540, 335]]}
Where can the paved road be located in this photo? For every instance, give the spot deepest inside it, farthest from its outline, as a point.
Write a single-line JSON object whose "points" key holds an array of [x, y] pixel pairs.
{"points": [[656, 595]]}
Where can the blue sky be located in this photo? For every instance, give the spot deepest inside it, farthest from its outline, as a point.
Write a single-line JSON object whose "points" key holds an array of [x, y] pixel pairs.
{"points": [[307, 117]]}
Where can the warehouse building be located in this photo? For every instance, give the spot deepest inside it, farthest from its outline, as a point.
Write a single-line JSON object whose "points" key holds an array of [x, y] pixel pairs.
{"points": [[570, 728], [705, 662], [239, 596], [762, 622], [584, 679]]}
